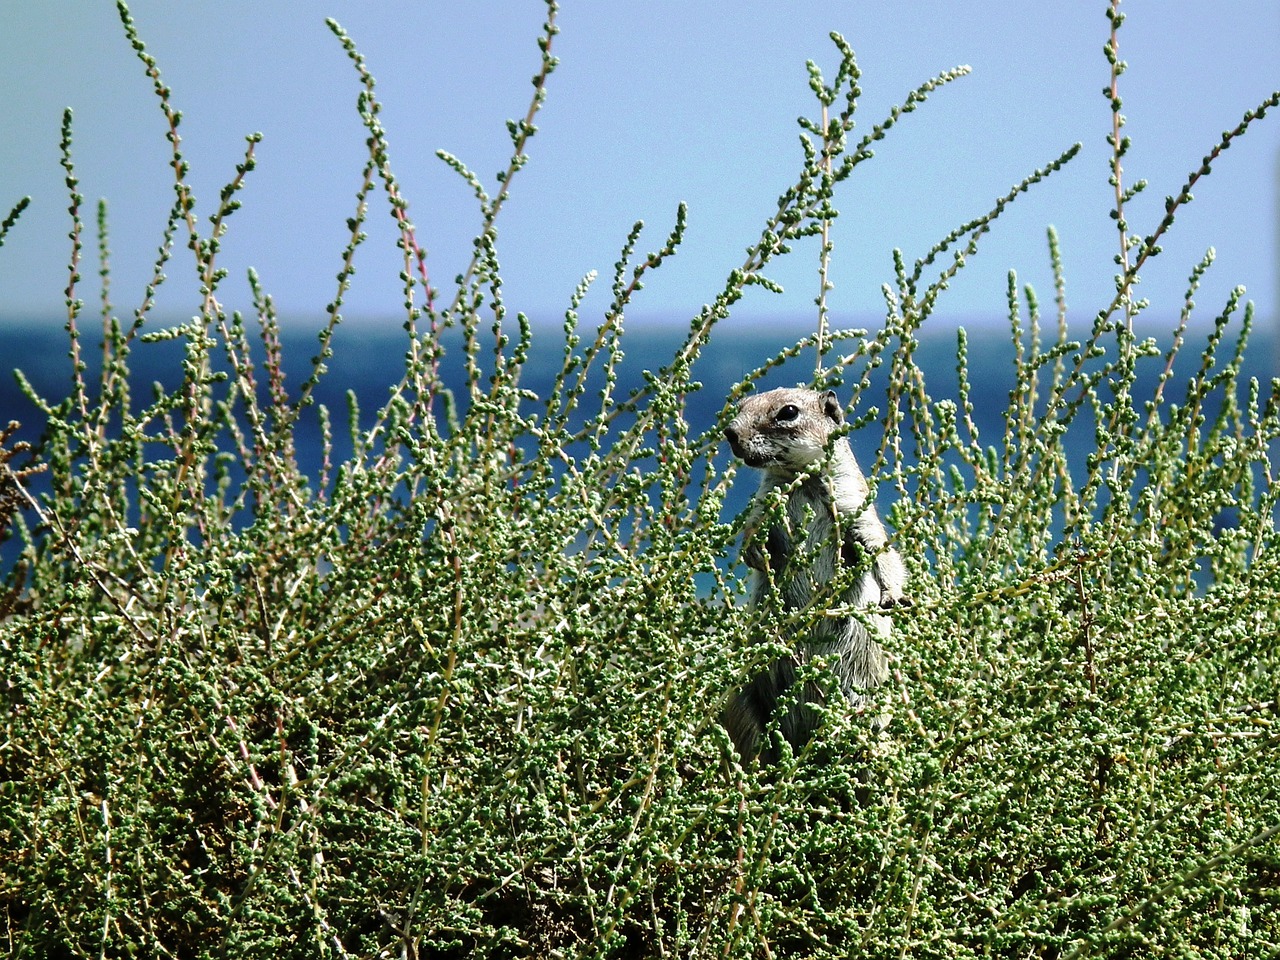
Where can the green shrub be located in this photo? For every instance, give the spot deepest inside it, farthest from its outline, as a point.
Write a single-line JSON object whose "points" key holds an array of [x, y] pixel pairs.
{"points": [[457, 695]]}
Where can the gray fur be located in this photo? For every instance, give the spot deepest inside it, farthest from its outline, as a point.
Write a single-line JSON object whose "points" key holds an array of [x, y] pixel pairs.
{"points": [[784, 433]]}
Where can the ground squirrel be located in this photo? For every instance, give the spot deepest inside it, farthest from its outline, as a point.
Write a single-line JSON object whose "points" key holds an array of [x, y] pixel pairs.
{"points": [[787, 434]]}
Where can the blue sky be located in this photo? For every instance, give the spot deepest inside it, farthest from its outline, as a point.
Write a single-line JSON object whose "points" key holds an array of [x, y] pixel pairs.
{"points": [[654, 103]]}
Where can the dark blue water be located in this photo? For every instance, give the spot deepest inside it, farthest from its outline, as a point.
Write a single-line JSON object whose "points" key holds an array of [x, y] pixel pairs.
{"points": [[368, 360]]}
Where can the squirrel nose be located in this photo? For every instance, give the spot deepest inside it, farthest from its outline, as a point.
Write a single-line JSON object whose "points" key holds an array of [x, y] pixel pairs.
{"points": [[731, 434]]}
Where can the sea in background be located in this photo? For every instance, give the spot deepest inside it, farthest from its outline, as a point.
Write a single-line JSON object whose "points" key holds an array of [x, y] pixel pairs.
{"points": [[368, 359]]}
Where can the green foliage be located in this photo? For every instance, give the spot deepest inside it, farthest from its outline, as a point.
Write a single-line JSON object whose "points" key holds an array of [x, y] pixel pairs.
{"points": [[457, 695]]}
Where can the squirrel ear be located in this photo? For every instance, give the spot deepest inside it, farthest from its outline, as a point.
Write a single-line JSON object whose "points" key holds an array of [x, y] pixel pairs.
{"points": [[831, 406]]}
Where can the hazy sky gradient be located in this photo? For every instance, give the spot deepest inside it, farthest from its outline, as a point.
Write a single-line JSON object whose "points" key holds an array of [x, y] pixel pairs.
{"points": [[653, 103]]}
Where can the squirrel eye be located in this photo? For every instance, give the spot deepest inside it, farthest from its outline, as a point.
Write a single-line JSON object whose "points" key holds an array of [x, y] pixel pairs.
{"points": [[787, 413]]}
